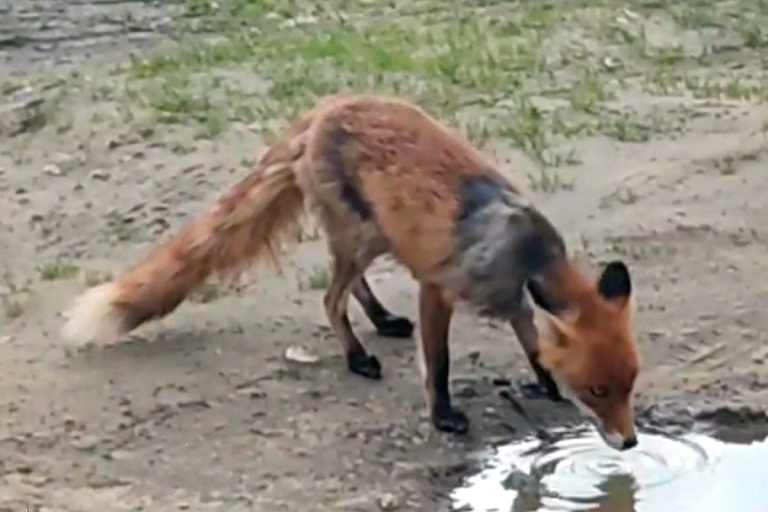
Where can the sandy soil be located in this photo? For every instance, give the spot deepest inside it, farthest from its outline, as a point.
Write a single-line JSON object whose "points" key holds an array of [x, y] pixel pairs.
{"points": [[202, 411]]}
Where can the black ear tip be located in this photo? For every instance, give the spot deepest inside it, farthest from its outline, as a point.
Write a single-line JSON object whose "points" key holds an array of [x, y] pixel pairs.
{"points": [[615, 281], [617, 267]]}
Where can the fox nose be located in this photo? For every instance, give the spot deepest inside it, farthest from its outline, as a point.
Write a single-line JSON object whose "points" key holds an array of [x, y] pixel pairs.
{"points": [[629, 443]]}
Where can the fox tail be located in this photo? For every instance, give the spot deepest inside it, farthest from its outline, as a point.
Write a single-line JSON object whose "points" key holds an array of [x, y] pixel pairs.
{"points": [[247, 225]]}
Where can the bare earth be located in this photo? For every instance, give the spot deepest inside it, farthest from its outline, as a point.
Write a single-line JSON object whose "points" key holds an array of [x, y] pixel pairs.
{"points": [[202, 411]]}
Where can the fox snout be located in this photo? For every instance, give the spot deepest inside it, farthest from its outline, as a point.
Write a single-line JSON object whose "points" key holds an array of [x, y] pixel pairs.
{"points": [[618, 429], [617, 440]]}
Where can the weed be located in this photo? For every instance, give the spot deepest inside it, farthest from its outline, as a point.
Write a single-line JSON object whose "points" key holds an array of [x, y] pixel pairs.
{"points": [[668, 56], [727, 166], [319, 278], [528, 129], [627, 129], [549, 182], [753, 35], [12, 308], [94, 277], [589, 92], [54, 271], [206, 294]]}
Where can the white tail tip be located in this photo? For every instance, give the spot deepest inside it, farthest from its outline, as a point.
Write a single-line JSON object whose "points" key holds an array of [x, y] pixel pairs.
{"points": [[94, 317]]}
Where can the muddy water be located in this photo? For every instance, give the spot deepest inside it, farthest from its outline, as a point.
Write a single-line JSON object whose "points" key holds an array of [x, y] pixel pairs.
{"points": [[578, 472]]}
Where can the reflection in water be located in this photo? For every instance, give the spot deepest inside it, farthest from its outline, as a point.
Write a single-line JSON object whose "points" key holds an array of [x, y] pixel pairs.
{"points": [[578, 472], [618, 494]]}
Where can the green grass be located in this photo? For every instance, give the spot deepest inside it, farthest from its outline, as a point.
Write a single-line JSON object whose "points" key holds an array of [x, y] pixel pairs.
{"points": [[319, 279], [480, 66], [12, 308], [58, 270], [549, 182]]}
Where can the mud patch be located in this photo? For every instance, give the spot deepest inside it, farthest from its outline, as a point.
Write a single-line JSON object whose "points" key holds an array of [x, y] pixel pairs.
{"points": [[717, 462]]}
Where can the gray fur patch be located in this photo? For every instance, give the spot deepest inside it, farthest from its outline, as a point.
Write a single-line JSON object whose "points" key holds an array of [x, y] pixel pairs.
{"points": [[502, 241]]}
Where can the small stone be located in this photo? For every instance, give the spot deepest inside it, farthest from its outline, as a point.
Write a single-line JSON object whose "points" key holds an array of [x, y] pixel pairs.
{"points": [[467, 391], [612, 63], [85, 443], [120, 455], [38, 480], [99, 174], [301, 452], [300, 354], [748, 334], [252, 392], [53, 170], [388, 502]]}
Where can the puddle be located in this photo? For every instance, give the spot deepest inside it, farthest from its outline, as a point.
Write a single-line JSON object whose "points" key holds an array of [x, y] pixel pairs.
{"points": [[578, 472]]}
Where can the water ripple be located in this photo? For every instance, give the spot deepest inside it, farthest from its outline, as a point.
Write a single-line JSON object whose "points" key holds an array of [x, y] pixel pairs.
{"points": [[579, 472]]}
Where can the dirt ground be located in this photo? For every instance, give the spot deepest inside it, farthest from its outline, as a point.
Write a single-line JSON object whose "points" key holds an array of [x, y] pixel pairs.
{"points": [[202, 412]]}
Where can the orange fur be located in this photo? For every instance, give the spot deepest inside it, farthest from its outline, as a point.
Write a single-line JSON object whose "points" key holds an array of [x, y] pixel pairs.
{"points": [[591, 345], [242, 227]]}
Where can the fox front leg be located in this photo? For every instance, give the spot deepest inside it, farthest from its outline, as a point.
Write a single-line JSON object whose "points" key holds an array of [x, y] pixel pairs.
{"points": [[527, 334]]}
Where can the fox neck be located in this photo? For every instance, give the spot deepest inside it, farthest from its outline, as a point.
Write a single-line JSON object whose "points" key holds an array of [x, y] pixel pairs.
{"points": [[563, 284], [502, 242]]}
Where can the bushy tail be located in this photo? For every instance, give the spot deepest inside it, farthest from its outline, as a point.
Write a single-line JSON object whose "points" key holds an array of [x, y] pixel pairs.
{"points": [[243, 227]]}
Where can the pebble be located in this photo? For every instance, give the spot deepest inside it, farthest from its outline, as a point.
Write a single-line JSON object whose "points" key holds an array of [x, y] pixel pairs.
{"points": [[85, 443], [388, 502], [53, 170], [120, 455], [300, 354], [99, 174]]}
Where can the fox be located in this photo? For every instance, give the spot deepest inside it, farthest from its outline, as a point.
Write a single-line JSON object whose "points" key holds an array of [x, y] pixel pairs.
{"points": [[382, 176]]}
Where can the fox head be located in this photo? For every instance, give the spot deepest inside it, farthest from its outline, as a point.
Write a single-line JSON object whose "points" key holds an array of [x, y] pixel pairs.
{"points": [[587, 344]]}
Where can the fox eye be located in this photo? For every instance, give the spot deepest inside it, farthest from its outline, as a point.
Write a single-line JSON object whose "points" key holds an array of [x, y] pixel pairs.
{"points": [[599, 391]]}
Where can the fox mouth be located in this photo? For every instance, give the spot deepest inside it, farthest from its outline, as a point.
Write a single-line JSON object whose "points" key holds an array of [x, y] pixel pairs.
{"points": [[612, 439]]}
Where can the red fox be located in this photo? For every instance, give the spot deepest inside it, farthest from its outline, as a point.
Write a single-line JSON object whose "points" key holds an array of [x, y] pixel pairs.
{"points": [[382, 176]]}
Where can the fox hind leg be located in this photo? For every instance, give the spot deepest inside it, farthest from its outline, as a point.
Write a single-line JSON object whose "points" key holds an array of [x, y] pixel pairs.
{"points": [[345, 272], [386, 323]]}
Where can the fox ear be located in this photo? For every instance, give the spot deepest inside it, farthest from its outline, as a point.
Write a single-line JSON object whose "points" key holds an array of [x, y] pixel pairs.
{"points": [[615, 284]]}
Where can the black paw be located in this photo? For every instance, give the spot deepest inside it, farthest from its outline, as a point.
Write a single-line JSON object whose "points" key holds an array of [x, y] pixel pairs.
{"points": [[365, 365], [394, 327], [540, 391], [449, 419]]}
